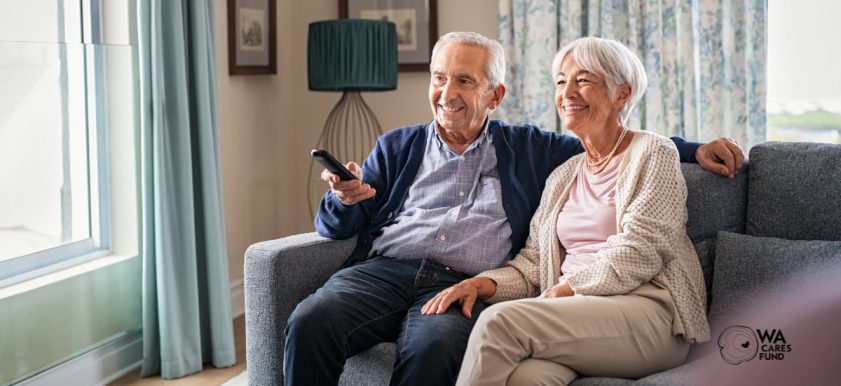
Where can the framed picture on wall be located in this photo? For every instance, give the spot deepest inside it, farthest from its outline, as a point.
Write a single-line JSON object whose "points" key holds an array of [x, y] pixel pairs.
{"points": [[416, 22], [252, 32]]}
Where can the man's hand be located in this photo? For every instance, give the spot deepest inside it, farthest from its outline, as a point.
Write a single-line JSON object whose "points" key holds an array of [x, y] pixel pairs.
{"points": [[723, 156], [465, 293], [349, 192], [558, 291]]}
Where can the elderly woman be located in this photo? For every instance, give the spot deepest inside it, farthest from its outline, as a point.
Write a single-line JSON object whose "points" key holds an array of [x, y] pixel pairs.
{"points": [[614, 284]]}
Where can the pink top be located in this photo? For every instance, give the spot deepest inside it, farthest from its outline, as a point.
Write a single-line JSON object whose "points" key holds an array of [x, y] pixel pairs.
{"points": [[588, 217]]}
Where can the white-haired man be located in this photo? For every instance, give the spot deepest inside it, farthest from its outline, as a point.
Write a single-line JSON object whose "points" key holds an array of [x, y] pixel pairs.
{"points": [[435, 204]]}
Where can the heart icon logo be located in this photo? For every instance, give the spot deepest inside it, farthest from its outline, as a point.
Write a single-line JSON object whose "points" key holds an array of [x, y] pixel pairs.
{"points": [[746, 344]]}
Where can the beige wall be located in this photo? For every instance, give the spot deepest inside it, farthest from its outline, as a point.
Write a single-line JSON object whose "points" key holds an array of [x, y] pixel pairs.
{"points": [[268, 124]]}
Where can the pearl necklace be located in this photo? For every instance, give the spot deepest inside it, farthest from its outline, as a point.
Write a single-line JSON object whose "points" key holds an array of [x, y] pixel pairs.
{"points": [[605, 160], [597, 163]]}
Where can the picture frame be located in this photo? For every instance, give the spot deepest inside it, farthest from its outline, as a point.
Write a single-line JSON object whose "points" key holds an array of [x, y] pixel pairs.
{"points": [[252, 37], [416, 21]]}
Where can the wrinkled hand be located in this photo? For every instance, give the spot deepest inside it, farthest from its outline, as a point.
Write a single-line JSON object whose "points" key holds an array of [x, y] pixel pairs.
{"points": [[723, 156], [558, 291], [465, 293], [349, 192]]}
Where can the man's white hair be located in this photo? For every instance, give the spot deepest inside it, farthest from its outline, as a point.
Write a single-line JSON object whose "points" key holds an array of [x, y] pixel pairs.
{"points": [[615, 62], [494, 68]]}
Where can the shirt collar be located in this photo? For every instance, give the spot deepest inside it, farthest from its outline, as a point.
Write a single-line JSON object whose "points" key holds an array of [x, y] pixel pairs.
{"points": [[480, 140]]}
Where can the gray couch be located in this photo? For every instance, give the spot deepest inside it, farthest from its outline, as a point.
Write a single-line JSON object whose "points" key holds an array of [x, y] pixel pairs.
{"points": [[788, 191]]}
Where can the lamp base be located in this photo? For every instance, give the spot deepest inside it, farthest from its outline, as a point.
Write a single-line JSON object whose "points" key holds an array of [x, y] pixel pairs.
{"points": [[350, 133]]}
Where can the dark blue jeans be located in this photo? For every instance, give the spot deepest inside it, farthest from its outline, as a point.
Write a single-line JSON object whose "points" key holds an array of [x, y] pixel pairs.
{"points": [[379, 301]]}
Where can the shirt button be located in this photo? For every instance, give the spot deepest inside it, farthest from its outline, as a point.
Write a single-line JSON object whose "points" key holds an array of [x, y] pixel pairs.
{"points": [[461, 193], [443, 238], [390, 214], [462, 158]]}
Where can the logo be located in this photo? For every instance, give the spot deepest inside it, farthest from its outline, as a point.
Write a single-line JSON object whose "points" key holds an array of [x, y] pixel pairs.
{"points": [[740, 344]]}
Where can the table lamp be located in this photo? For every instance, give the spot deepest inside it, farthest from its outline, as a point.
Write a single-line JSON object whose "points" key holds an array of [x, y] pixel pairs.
{"points": [[349, 55]]}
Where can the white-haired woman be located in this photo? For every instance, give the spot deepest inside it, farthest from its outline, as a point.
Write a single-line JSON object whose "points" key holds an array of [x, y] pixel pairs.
{"points": [[609, 281]]}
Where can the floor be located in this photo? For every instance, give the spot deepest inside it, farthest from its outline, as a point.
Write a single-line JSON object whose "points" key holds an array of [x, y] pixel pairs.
{"points": [[210, 376]]}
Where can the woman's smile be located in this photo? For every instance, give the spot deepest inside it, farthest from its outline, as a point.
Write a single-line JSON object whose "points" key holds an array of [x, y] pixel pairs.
{"points": [[574, 109]]}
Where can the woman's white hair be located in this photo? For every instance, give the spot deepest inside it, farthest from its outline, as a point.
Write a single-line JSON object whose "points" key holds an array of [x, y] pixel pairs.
{"points": [[494, 68], [615, 62]]}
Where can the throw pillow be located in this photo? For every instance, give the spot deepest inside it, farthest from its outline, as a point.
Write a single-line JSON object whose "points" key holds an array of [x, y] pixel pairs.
{"points": [[753, 273]]}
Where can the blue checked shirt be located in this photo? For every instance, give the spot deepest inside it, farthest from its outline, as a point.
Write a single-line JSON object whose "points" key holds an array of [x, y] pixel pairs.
{"points": [[453, 212]]}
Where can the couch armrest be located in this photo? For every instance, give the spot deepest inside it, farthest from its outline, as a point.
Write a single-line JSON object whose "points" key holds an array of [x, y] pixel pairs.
{"points": [[279, 274]]}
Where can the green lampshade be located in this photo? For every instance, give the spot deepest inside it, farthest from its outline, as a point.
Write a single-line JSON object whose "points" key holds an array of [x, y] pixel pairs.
{"points": [[352, 54]]}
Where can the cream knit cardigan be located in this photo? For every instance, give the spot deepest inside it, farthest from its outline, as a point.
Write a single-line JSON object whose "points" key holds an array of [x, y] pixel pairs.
{"points": [[651, 243]]}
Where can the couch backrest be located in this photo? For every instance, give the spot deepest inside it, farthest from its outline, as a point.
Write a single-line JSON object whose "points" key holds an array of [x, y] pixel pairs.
{"points": [[715, 203], [795, 191]]}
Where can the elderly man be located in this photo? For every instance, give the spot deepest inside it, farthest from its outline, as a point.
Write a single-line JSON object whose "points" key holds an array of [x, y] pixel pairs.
{"points": [[437, 203]]}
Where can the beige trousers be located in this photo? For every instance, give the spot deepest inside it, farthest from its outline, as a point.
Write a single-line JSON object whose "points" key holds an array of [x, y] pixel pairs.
{"points": [[552, 341]]}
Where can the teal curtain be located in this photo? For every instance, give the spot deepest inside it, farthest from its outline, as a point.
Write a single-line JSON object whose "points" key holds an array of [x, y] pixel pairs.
{"points": [[186, 292], [705, 61]]}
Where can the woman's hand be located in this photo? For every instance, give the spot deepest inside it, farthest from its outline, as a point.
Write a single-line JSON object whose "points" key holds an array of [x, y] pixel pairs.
{"points": [[558, 291], [465, 293]]}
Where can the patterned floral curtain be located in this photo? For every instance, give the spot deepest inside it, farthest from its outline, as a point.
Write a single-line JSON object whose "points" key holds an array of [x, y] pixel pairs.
{"points": [[705, 61]]}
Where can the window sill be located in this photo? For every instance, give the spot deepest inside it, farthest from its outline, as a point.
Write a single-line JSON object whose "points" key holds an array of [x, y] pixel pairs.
{"points": [[58, 272]]}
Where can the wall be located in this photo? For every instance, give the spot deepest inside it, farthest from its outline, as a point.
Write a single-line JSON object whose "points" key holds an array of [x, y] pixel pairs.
{"points": [[268, 124]]}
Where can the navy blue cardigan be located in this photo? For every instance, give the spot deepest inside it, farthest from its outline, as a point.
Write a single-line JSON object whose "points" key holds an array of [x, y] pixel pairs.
{"points": [[525, 156]]}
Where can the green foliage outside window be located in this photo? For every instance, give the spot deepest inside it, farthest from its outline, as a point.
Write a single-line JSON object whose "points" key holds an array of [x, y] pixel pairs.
{"points": [[811, 126]]}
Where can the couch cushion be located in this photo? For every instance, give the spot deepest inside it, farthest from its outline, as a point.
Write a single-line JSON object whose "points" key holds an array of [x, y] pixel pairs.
{"points": [[714, 203], [601, 381], [686, 375], [795, 191], [756, 271], [370, 367]]}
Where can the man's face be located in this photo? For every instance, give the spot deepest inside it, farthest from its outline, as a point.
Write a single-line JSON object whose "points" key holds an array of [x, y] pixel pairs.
{"points": [[459, 90]]}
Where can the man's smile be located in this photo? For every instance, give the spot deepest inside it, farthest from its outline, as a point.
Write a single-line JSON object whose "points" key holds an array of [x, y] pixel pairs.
{"points": [[450, 109]]}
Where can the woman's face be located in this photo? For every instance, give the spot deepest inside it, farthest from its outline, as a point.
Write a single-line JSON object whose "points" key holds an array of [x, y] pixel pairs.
{"points": [[582, 98]]}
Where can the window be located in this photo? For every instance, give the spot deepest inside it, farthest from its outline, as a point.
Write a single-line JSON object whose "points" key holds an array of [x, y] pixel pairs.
{"points": [[804, 84], [53, 200]]}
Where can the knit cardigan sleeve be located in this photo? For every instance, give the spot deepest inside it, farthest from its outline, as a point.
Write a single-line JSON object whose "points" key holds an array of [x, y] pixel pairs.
{"points": [[520, 277]]}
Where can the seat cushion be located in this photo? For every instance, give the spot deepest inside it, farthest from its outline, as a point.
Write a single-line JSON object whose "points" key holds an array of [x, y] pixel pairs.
{"points": [[714, 203], [795, 191], [371, 367], [753, 272], [601, 381], [690, 374]]}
